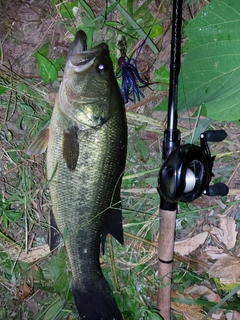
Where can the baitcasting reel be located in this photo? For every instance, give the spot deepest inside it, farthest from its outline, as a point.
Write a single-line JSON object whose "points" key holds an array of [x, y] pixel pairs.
{"points": [[187, 171]]}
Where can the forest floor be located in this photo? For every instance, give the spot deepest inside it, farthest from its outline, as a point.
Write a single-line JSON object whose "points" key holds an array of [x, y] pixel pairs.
{"points": [[206, 265]]}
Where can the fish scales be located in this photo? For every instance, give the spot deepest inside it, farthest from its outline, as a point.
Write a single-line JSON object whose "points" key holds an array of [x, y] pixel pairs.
{"points": [[86, 152], [87, 191]]}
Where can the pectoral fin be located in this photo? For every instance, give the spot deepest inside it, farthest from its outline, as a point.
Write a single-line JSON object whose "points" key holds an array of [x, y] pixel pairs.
{"points": [[39, 144], [70, 148]]}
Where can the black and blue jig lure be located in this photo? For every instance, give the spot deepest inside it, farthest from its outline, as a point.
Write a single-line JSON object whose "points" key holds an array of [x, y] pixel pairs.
{"points": [[132, 81]]}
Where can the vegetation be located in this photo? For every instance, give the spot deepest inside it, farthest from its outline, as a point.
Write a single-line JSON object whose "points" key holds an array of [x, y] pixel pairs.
{"points": [[36, 284]]}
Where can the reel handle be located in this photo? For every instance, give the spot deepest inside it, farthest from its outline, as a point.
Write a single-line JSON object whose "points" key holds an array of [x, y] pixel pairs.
{"points": [[218, 189], [215, 135]]}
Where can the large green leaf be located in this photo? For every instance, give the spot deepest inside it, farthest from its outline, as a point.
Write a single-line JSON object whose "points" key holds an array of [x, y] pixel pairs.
{"points": [[46, 68], [210, 73]]}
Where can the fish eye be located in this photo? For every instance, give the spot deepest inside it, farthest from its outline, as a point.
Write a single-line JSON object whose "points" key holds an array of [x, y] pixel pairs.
{"points": [[102, 68]]}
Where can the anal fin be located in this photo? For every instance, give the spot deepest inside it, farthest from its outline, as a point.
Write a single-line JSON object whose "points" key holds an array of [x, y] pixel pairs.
{"points": [[54, 234], [113, 225]]}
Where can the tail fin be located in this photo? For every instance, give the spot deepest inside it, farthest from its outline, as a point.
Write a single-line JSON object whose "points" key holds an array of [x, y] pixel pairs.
{"points": [[96, 302]]}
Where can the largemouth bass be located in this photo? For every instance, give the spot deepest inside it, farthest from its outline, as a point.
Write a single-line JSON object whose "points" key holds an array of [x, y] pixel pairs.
{"points": [[86, 145]]}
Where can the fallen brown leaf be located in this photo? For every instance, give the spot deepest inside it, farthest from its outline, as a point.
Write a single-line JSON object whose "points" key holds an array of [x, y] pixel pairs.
{"points": [[185, 247], [24, 291], [226, 233], [197, 291], [32, 256], [189, 312], [227, 269]]}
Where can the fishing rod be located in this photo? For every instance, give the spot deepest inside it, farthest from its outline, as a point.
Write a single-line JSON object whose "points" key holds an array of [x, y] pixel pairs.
{"points": [[185, 174]]}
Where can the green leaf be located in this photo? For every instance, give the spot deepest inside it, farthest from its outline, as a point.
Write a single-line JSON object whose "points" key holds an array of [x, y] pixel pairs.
{"points": [[154, 316], [43, 50], [46, 68], [161, 75], [66, 9], [142, 10], [5, 220], [27, 108], [58, 63], [11, 215], [156, 30], [19, 121], [3, 89], [129, 4], [88, 23], [211, 70], [87, 9], [142, 147], [58, 264], [62, 283], [135, 26], [110, 8], [112, 24], [201, 127], [54, 310], [35, 95], [3, 313]]}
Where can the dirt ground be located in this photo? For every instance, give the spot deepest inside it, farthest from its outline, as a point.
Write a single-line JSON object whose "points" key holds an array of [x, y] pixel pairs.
{"points": [[25, 26]]}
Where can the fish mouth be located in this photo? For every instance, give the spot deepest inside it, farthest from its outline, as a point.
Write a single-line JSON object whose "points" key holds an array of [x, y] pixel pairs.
{"points": [[79, 56]]}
